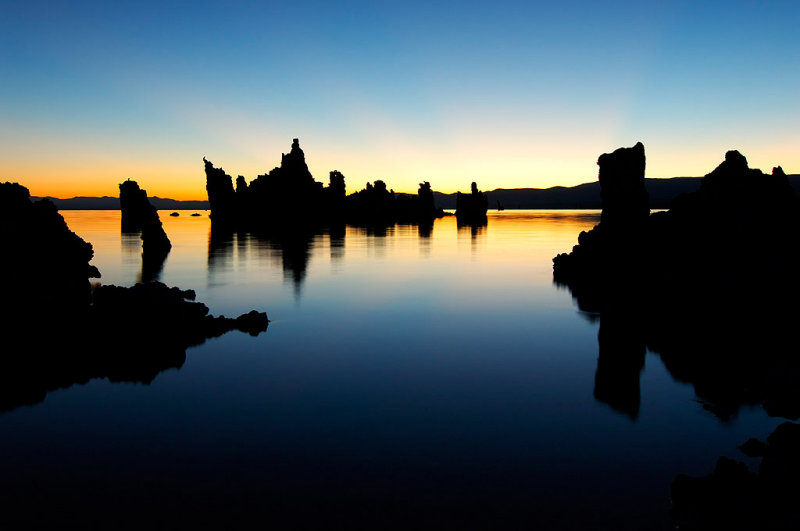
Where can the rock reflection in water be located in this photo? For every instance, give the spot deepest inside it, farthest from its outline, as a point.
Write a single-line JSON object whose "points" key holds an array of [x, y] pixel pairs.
{"points": [[293, 249]]}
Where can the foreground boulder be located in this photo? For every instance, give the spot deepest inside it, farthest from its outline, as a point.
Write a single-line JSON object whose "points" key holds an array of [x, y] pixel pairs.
{"points": [[57, 332], [45, 268]]}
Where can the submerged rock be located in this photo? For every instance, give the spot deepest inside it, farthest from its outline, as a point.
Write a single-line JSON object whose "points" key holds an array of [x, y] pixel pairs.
{"points": [[156, 313]]}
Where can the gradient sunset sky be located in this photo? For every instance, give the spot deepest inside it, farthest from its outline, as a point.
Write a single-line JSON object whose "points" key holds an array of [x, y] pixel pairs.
{"points": [[508, 94]]}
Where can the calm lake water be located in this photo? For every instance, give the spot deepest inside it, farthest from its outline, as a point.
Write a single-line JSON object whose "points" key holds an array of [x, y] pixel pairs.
{"points": [[405, 380]]}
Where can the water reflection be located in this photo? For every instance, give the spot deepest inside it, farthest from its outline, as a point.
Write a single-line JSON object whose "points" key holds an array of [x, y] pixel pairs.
{"points": [[475, 230], [292, 252], [292, 249], [458, 384], [220, 250], [150, 266], [622, 349], [730, 348]]}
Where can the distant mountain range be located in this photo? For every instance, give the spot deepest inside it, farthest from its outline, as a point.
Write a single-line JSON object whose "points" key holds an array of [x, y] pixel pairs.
{"points": [[587, 195], [112, 203]]}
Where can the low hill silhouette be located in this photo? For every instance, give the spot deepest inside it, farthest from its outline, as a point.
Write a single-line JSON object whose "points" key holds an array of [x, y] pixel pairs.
{"points": [[587, 195], [661, 191], [112, 203]]}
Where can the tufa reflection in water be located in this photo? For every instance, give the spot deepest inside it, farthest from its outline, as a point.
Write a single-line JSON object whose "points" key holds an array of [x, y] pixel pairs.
{"points": [[292, 248]]}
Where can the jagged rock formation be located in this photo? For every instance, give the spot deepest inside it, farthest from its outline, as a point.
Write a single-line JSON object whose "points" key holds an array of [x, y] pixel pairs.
{"points": [[425, 207], [739, 222], [222, 200], [604, 254], [374, 205], [56, 332], [288, 195], [709, 286], [138, 215], [289, 198], [622, 189], [45, 266], [377, 206], [472, 208], [732, 497]]}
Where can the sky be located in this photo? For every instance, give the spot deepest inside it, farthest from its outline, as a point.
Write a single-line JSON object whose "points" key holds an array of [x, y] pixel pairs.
{"points": [[507, 94]]}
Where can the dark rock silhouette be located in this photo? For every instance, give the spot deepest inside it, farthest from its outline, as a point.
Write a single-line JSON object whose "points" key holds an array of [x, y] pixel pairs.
{"points": [[374, 205], [612, 251], [286, 195], [624, 196], [159, 311], [708, 285], [472, 208], [288, 198], [174, 214], [733, 497], [57, 331], [221, 197], [740, 222], [138, 215], [38, 245]]}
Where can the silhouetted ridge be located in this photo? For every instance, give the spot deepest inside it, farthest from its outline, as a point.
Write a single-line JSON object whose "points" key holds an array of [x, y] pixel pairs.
{"points": [[57, 332], [289, 199], [709, 285]]}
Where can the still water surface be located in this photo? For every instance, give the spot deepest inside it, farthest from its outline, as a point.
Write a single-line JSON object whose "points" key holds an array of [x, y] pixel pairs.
{"points": [[405, 378]]}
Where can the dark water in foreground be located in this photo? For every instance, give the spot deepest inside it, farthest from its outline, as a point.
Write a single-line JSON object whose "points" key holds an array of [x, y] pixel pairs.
{"points": [[404, 379]]}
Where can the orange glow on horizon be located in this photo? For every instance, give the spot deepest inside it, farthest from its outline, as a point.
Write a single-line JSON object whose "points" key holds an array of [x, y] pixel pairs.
{"points": [[184, 179]]}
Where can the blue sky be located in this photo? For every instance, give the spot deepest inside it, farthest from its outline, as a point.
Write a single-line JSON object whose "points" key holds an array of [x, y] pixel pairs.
{"points": [[508, 94]]}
